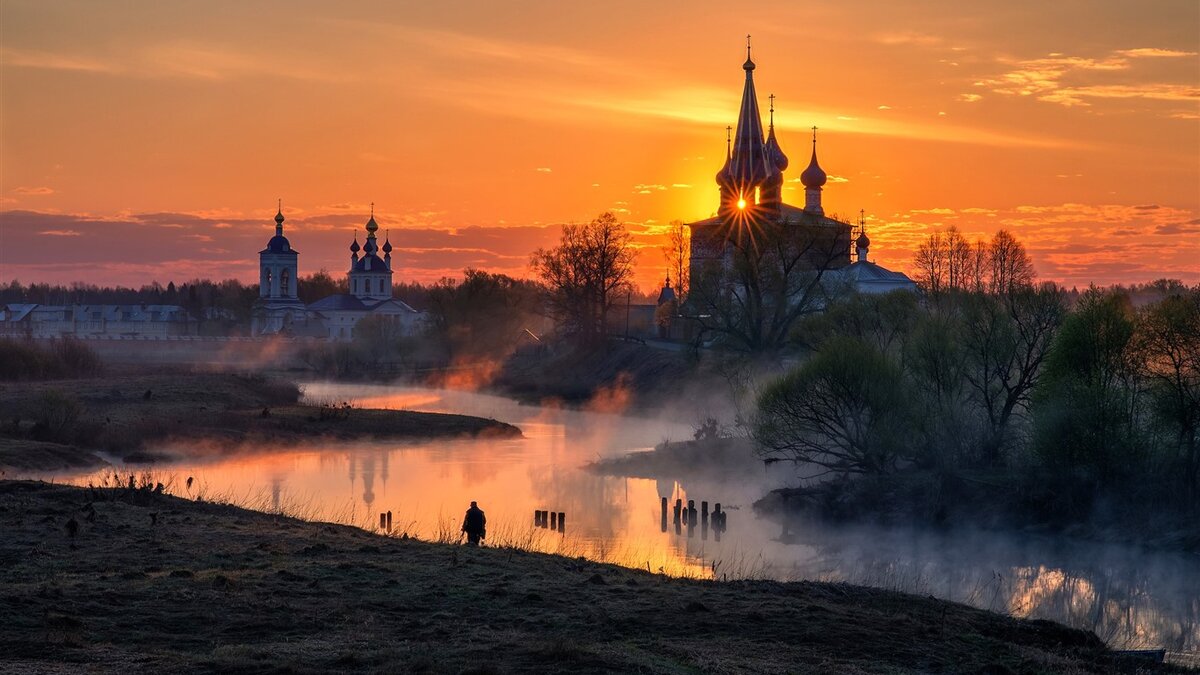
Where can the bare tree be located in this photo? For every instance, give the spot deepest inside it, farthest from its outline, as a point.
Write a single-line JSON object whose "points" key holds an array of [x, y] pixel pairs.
{"points": [[679, 252], [585, 274], [931, 264], [1011, 267], [1006, 340], [771, 276], [958, 260]]}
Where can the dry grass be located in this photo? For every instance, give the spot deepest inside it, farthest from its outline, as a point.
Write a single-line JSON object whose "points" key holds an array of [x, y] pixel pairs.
{"points": [[154, 582]]}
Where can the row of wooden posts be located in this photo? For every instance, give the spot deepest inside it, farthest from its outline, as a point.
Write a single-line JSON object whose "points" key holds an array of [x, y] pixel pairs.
{"points": [[550, 519], [686, 516], [385, 521]]}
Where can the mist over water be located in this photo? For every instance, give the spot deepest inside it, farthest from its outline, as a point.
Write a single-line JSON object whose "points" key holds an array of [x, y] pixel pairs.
{"points": [[1129, 597]]}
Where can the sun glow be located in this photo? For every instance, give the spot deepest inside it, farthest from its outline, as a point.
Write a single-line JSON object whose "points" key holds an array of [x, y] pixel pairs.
{"points": [[742, 203]]}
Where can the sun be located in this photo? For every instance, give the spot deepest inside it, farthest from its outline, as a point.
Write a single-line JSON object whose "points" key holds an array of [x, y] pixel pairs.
{"points": [[742, 203]]}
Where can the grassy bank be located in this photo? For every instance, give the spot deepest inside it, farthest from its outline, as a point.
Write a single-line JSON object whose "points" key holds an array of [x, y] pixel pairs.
{"points": [[154, 582], [63, 424]]}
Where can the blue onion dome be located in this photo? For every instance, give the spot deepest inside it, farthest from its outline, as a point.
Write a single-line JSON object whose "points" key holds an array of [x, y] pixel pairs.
{"points": [[387, 246], [279, 217], [863, 241], [372, 226], [355, 248], [814, 176], [370, 247]]}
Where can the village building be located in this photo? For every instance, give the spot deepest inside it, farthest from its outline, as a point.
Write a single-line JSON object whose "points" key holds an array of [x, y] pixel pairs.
{"points": [[279, 310], [31, 320]]}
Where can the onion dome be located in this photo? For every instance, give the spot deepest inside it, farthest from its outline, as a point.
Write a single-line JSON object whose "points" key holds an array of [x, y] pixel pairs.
{"points": [[372, 226], [775, 153], [387, 245], [370, 247], [862, 241], [814, 176], [279, 216], [667, 294], [355, 248]]}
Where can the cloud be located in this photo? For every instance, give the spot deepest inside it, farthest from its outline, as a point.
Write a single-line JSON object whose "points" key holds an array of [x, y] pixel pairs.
{"points": [[39, 191], [51, 61], [1154, 52], [1063, 80], [681, 185], [884, 107], [61, 233], [970, 98], [543, 169]]}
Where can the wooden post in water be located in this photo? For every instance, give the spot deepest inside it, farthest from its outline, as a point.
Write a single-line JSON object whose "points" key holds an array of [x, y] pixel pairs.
{"points": [[389, 521], [691, 518], [678, 516], [562, 521], [382, 520], [664, 514], [718, 517], [553, 520], [704, 520]]}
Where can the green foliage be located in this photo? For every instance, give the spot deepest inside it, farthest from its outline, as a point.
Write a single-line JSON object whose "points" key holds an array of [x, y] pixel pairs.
{"points": [[1085, 413], [845, 410], [1061, 409]]}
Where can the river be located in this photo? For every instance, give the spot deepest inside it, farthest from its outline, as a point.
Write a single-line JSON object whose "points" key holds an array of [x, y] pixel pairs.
{"points": [[1129, 597]]}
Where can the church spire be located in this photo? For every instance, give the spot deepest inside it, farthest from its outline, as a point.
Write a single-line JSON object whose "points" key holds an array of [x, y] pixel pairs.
{"points": [[749, 166], [279, 219]]}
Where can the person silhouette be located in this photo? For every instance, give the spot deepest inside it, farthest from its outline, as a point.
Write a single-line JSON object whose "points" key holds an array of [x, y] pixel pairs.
{"points": [[474, 524]]}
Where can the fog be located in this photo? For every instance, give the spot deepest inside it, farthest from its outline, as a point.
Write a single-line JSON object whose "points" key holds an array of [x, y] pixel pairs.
{"points": [[1130, 597]]}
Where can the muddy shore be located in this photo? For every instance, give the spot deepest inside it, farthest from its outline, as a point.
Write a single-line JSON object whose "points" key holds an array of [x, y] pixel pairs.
{"points": [[59, 425]]}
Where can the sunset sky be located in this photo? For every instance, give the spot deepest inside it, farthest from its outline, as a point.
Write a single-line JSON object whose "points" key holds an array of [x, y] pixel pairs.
{"points": [[149, 141]]}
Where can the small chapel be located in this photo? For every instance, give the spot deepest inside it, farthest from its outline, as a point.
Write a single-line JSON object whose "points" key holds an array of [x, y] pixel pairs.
{"points": [[279, 310]]}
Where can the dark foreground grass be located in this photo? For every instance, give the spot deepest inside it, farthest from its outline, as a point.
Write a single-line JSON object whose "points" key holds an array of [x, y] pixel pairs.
{"points": [[157, 583]]}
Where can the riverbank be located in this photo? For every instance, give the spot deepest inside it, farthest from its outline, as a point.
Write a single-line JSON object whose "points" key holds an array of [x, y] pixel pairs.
{"points": [[154, 582], [69, 424]]}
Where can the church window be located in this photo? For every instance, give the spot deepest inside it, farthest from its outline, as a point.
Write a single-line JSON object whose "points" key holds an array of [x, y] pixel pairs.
{"points": [[757, 194], [381, 285]]}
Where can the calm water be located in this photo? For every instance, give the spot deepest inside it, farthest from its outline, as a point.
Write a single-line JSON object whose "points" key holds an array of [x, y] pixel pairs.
{"points": [[1129, 597]]}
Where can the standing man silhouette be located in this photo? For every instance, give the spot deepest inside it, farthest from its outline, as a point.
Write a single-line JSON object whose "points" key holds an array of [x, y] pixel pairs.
{"points": [[474, 524]]}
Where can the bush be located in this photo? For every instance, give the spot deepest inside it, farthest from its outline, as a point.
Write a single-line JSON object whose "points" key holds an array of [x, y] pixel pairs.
{"points": [[29, 360], [55, 416]]}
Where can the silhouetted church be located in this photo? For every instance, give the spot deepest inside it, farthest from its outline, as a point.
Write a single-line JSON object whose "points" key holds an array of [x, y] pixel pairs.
{"points": [[751, 187]]}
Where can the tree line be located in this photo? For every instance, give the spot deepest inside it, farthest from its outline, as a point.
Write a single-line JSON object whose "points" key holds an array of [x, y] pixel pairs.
{"points": [[1072, 397]]}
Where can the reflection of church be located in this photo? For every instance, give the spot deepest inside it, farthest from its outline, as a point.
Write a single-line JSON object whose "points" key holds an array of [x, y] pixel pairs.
{"points": [[279, 310], [751, 185]]}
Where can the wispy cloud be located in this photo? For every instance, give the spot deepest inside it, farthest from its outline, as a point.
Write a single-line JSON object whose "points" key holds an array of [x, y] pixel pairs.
{"points": [[37, 191], [1061, 79]]}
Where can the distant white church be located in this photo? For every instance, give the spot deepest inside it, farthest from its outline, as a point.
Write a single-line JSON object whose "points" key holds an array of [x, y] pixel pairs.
{"points": [[279, 310]]}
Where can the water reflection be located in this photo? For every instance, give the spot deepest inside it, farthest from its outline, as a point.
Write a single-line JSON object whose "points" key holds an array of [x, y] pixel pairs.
{"points": [[1128, 597]]}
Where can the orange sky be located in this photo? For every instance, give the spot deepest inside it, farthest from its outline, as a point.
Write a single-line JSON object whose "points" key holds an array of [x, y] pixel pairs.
{"points": [[149, 141]]}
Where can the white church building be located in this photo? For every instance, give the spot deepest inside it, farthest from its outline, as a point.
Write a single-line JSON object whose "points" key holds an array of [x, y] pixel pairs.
{"points": [[279, 310]]}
